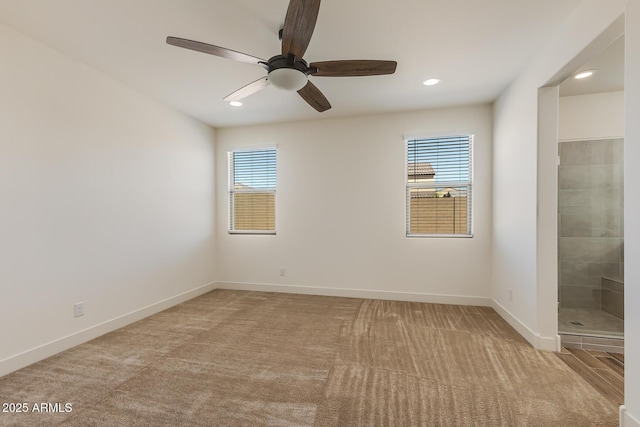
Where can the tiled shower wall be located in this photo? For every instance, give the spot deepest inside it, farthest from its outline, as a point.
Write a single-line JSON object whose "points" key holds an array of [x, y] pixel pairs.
{"points": [[590, 219]]}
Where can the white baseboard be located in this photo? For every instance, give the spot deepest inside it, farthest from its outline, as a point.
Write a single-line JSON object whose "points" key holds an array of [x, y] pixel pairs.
{"points": [[358, 293], [43, 351], [626, 419], [547, 343], [537, 341]]}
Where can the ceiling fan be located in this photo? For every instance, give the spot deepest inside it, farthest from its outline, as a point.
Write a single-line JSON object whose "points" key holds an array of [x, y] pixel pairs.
{"points": [[289, 71]]}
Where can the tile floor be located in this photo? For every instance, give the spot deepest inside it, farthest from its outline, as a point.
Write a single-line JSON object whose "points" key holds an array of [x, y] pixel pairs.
{"points": [[585, 342], [603, 370], [589, 321]]}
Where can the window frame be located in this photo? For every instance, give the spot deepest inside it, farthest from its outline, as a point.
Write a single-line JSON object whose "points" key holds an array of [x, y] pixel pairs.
{"points": [[435, 185], [231, 191]]}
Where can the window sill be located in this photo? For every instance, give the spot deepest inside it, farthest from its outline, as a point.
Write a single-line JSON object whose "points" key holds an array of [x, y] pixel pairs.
{"points": [[455, 236], [265, 232]]}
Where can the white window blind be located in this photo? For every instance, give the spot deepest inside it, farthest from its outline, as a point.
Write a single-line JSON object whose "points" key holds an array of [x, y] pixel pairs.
{"points": [[252, 191], [439, 195]]}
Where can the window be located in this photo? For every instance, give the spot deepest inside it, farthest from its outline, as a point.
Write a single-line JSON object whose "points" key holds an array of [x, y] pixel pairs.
{"points": [[252, 191], [439, 186]]}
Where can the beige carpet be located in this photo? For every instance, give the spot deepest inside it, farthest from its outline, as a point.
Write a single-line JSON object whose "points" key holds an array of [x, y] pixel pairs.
{"points": [[232, 358]]}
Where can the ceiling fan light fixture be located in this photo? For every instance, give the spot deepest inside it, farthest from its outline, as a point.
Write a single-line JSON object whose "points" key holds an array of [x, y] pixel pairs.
{"points": [[290, 79]]}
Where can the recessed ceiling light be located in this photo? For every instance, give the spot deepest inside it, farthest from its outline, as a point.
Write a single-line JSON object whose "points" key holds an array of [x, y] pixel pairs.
{"points": [[431, 82], [584, 74], [235, 103]]}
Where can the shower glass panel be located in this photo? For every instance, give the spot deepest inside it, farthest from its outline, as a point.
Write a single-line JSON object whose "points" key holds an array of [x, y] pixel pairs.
{"points": [[590, 240]]}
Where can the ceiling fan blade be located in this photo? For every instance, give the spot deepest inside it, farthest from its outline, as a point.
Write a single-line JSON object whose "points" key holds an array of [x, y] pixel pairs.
{"points": [[247, 90], [314, 97], [214, 50], [351, 68], [298, 26]]}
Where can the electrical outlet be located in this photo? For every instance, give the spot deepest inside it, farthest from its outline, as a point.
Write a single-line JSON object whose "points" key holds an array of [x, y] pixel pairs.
{"points": [[78, 309], [510, 294], [282, 271]]}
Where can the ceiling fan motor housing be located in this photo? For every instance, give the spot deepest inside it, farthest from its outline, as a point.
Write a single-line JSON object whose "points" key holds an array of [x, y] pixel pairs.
{"points": [[287, 73]]}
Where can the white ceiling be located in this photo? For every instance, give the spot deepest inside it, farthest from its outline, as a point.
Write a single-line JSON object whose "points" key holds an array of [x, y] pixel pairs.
{"points": [[609, 76], [475, 47]]}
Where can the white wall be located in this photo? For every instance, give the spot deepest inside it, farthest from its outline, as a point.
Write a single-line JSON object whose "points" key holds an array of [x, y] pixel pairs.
{"points": [[547, 221], [106, 198], [517, 198], [631, 416], [341, 211], [515, 180], [515, 141], [593, 116]]}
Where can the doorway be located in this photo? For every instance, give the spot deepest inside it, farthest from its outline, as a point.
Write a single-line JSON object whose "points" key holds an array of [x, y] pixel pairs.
{"points": [[590, 203]]}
